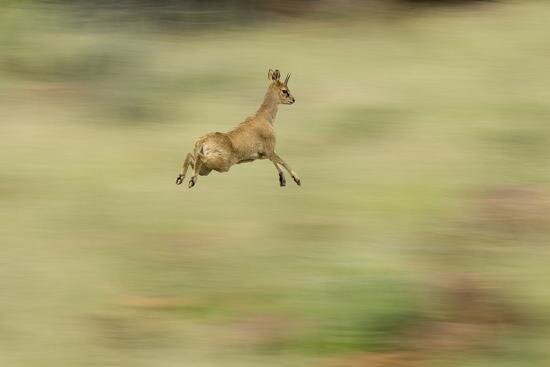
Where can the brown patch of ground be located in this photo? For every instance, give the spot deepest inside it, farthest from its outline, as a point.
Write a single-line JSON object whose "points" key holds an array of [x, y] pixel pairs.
{"points": [[259, 330], [513, 208]]}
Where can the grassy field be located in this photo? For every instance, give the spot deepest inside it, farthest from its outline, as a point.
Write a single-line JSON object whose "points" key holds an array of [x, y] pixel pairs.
{"points": [[419, 235]]}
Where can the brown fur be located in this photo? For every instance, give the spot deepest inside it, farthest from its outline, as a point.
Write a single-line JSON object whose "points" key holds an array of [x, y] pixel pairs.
{"points": [[252, 139]]}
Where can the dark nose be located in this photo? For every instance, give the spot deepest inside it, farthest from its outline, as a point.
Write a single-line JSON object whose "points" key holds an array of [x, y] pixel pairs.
{"points": [[293, 100]]}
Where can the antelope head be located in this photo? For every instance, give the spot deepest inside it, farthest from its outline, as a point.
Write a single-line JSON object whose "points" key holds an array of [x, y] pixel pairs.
{"points": [[280, 88]]}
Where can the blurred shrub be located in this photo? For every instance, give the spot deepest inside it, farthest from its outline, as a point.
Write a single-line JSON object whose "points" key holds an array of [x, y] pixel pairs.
{"points": [[39, 63], [192, 13], [361, 315]]}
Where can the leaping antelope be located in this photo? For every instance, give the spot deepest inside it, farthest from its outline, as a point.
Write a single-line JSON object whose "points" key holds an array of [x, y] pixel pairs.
{"points": [[252, 139]]}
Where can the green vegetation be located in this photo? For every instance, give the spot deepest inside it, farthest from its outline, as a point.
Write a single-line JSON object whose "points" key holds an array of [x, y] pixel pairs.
{"points": [[422, 223]]}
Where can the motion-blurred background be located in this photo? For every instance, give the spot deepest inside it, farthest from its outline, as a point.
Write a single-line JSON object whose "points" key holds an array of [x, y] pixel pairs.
{"points": [[419, 237]]}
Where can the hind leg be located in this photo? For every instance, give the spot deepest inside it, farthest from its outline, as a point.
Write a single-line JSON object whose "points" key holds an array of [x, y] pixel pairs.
{"points": [[198, 164], [189, 161]]}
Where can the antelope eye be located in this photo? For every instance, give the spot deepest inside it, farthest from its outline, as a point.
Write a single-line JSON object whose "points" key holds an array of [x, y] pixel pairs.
{"points": [[285, 92]]}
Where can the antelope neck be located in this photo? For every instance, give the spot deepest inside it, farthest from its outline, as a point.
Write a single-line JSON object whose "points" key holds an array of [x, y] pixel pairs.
{"points": [[269, 106]]}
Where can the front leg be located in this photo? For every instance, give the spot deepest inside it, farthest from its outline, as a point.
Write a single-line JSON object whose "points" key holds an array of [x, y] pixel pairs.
{"points": [[189, 161], [282, 180], [280, 161]]}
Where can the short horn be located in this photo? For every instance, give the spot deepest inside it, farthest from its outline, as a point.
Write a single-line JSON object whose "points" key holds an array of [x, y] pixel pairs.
{"points": [[286, 79]]}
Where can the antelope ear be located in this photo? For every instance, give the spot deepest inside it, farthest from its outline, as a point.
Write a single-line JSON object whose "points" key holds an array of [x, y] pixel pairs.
{"points": [[273, 74]]}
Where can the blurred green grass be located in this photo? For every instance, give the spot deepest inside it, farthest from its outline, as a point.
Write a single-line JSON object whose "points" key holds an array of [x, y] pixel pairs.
{"points": [[399, 125]]}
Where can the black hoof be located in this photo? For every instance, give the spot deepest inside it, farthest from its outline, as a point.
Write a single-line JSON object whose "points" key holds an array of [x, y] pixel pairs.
{"points": [[192, 182], [297, 180], [282, 181], [179, 180]]}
